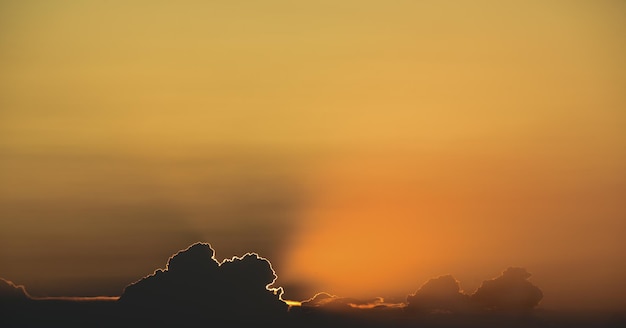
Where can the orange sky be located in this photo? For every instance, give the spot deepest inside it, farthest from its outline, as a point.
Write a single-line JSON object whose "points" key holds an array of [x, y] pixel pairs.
{"points": [[362, 146]]}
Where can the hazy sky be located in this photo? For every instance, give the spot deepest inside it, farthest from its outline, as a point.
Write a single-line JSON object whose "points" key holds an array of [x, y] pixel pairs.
{"points": [[362, 146]]}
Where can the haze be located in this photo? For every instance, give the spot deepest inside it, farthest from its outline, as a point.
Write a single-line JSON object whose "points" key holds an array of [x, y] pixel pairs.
{"points": [[362, 146]]}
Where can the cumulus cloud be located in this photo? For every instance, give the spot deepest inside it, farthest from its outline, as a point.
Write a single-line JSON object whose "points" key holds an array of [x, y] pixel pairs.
{"points": [[441, 294], [195, 283], [195, 289], [510, 292]]}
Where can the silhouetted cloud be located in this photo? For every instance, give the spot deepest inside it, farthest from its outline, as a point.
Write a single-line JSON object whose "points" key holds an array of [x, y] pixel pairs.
{"points": [[510, 292], [196, 284], [196, 290], [325, 300], [441, 294]]}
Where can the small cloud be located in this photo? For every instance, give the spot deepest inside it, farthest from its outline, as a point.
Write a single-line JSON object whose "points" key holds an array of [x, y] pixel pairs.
{"points": [[510, 292], [319, 299], [441, 294], [325, 300]]}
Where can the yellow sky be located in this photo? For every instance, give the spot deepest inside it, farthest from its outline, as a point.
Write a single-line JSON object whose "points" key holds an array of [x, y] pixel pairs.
{"points": [[415, 138]]}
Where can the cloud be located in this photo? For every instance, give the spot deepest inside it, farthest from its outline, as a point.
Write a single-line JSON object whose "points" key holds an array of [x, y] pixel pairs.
{"points": [[441, 294], [10, 292], [510, 292], [194, 284], [328, 301], [196, 290]]}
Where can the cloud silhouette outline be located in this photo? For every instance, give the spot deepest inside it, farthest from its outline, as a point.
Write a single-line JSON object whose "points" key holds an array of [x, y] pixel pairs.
{"points": [[509, 292], [440, 294], [194, 286], [196, 290]]}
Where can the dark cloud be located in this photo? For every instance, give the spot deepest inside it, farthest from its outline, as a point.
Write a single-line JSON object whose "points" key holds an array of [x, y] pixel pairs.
{"points": [[441, 294], [195, 285], [196, 290], [510, 292]]}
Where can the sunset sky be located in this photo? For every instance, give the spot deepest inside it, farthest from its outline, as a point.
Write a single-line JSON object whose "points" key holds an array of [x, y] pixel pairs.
{"points": [[363, 147]]}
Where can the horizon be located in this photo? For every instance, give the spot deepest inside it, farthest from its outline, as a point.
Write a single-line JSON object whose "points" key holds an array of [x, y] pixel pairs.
{"points": [[271, 286], [195, 287], [356, 303]]}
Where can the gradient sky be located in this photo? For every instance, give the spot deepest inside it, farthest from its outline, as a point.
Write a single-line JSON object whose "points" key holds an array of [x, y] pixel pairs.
{"points": [[362, 146]]}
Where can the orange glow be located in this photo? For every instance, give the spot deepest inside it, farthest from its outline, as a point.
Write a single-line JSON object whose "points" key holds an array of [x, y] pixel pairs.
{"points": [[380, 224]]}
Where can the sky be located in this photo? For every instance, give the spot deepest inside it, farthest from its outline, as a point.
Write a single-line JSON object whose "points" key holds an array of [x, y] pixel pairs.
{"points": [[363, 147]]}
